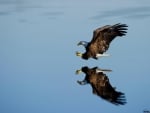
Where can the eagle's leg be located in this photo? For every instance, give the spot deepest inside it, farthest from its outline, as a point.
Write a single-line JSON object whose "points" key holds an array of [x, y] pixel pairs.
{"points": [[84, 82]]}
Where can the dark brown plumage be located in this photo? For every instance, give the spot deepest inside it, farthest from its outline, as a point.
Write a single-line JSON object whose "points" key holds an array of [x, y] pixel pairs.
{"points": [[102, 37], [101, 85]]}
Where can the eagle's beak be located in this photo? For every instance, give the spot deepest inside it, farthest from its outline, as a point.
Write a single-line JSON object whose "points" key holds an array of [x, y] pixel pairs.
{"points": [[78, 71], [78, 54]]}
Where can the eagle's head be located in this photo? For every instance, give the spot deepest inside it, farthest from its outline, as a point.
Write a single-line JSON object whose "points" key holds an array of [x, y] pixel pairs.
{"points": [[84, 43]]}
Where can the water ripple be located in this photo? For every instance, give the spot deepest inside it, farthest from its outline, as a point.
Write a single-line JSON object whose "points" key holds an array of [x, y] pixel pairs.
{"points": [[132, 13]]}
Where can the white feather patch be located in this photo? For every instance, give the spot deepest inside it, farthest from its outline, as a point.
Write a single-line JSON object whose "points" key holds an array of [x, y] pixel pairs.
{"points": [[103, 70], [102, 55]]}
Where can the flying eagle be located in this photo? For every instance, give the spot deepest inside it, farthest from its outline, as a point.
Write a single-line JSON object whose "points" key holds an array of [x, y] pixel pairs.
{"points": [[102, 37], [101, 85]]}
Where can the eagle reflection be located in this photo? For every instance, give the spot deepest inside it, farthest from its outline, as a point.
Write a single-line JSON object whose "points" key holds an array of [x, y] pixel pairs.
{"points": [[101, 85]]}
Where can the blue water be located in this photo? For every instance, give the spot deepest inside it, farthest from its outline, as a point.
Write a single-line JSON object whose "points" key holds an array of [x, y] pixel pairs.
{"points": [[38, 41]]}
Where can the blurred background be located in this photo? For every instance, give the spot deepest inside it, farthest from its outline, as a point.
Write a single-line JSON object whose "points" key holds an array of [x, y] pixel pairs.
{"points": [[38, 41]]}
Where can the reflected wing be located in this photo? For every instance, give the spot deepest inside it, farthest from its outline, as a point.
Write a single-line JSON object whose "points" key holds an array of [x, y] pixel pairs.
{"points": [[103, 36], [101, 87]]}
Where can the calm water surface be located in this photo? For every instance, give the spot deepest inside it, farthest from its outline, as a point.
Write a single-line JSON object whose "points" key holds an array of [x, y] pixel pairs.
{"points": [[37, 55]]}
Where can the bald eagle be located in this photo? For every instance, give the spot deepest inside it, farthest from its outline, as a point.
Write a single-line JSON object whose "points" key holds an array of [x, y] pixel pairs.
{"points": [[101, 85], [102, 37]]}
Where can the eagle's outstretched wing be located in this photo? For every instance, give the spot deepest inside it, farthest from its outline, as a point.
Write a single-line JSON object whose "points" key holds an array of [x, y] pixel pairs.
{"points": [[102, 88], [103, 36], [109, 32]]}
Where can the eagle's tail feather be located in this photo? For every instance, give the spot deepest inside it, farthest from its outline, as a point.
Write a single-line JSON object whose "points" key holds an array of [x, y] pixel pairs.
{"points": [[102, 55]]}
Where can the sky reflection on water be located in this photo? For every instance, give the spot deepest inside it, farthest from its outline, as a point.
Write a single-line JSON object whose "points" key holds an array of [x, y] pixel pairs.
{"points": [[130, 12]]}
